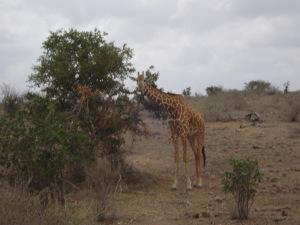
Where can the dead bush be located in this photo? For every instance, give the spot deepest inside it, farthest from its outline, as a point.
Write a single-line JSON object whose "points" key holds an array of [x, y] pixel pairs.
{"points": [[294, 107], [104, 180], [135, 179], [295, 132], [222, 107], [11, 100]]}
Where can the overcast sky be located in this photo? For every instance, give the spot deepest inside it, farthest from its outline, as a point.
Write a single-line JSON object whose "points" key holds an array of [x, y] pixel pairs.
{"points": [[193, 43]]}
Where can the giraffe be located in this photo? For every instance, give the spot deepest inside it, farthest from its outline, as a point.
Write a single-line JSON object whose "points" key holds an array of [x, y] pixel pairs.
{"points": [[185, 123]]}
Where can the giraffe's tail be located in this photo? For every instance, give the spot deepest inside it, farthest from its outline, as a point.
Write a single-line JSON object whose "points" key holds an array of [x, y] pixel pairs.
{"points": [[204, 155]]}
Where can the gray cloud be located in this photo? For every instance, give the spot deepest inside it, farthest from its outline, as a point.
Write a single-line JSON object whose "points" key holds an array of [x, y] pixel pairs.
{"points": [[191, 42]]}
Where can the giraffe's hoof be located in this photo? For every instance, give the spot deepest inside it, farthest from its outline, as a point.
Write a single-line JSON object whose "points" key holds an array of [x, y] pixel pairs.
{"points": [[173, 188]]}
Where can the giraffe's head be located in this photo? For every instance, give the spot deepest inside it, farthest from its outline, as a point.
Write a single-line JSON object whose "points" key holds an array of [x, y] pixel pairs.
{"points": [[141, 81]]}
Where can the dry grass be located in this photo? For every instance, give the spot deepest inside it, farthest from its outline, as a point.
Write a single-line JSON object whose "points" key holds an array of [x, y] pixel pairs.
{"points": [[294, 107], [19, 208], [224, 106], [104, 181], [234, 105]]}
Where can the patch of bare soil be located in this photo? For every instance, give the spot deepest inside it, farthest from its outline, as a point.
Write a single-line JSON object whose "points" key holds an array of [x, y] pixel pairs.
{"points": [[272, 144]]}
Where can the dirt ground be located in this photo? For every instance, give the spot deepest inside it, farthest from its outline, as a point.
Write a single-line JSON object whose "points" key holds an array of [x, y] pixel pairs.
{"points": [[276, 146]]}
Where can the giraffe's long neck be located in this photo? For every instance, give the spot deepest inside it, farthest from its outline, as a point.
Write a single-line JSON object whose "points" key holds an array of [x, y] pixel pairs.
{"points": [[159, 97]]}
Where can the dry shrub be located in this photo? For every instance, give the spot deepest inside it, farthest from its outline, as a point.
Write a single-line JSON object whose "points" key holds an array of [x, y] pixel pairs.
{"points": [[222, 107], [294, 107], [233, 105], [104, 180], [135, 179], [295, 132], [19, 208]]}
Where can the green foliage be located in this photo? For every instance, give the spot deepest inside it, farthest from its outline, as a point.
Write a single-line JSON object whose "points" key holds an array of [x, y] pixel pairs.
{"points": [[151, 78], [73, 57], [39, 144], [187, 91], [214, 90], [84, 107], [242, 183]]}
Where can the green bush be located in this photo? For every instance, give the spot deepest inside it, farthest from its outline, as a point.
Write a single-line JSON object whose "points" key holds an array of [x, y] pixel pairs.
{"points": [[40, 144], [187, 91], [261, 87], [214, 90], [242, 183], [151, 106]]}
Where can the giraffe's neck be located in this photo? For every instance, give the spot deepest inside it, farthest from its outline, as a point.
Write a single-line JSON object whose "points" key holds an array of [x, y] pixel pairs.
{"points": [[162, 99]]}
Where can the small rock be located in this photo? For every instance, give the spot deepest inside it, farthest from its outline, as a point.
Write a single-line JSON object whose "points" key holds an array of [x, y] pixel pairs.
{"points": [[218, 199], [283, 213], [188, 203], [242, 126], [100, 217], [274, 179], [278, 220], [205, 215], [216, 215], [196, 216]]}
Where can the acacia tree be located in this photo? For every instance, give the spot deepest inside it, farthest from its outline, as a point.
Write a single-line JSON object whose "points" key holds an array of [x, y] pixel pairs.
{"points": [[72, 60], [73, 57], [61, 128]]}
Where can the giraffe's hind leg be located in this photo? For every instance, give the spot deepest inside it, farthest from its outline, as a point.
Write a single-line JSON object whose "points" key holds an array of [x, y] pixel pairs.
{"points": [[186, 163], [174, 138], [200, 160], [192, 140], [176, 162]]}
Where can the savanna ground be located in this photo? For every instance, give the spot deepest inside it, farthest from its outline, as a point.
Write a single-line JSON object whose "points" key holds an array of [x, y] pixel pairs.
{"points": [[275, 143]]}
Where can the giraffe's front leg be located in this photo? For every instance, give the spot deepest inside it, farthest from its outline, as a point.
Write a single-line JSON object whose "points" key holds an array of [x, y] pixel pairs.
{"points": [[176, 162], [186, 164]]}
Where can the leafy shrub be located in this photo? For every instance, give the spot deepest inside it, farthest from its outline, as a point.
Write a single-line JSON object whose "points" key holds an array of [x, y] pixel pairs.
{"points": [[242, 183], [151, 78], [261, 87], [39, 145], [214, 90], [186, 91]]}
